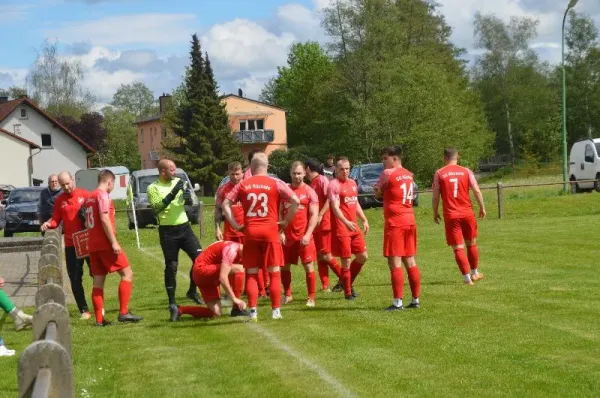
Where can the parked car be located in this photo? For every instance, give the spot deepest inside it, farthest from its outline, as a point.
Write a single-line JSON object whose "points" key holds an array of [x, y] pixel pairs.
{"points": [[366, 175], [139, 182], [5, 190], [584, 164], [20, 212]]}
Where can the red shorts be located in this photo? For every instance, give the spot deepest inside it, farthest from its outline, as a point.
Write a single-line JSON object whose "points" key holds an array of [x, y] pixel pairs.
{"points": [[460, 229], [323, 241], [258, 254], [293, 250], [346, 246], [106, 261], [206, 277], [400, 241], [236, 239]]}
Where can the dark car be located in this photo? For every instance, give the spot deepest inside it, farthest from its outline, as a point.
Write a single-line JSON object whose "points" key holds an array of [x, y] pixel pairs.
{"points": [[21, 211], [366, 175]]}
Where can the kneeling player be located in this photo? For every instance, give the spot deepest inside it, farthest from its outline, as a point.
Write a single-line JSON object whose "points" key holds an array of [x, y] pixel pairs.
{"points": [[297, 236], [211, 269], [106, 255], [395, 185]]}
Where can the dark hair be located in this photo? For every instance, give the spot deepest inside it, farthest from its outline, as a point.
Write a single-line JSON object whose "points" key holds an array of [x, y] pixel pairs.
{"points": [[234, 166], [330, 157], [344, 158], [450, 153], [314, 165], [105, 175], [395, 150], [252, 153]]}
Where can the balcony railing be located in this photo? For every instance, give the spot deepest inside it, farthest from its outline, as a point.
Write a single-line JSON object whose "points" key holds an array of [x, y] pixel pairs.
{"points": [[255, 136]]}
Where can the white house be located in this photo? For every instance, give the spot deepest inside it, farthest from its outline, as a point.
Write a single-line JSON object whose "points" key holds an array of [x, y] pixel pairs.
{"points": [[15, 155], [60, 149]]}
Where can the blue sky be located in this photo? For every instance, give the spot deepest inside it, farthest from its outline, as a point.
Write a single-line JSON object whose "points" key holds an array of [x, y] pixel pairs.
{"points": [[122, 41]]}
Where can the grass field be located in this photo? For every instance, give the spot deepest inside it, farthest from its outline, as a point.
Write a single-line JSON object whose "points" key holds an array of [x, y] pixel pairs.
{"points": [[530, 328]]}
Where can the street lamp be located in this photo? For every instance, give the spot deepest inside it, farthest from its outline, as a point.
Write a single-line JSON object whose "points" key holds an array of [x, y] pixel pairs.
{"points": [[572, 4]]}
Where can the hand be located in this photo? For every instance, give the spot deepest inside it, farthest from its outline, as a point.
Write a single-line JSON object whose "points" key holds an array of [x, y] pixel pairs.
{"points": [[282, 237], [351, 226], [116, 248], [482, 213], [1, 282], [178, 187], [437, 218], [187, 197], [366, 227], [45, 226], [240, 304], [238, 228], [283, 224], [305, 240], [219, 234]]}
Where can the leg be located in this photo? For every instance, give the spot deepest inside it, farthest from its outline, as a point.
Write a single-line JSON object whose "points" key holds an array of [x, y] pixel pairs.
{"points": [[397, 278], [19, 317], [286, 280], [191, 246], [98, 298], [358, 247], [323, 266], [462, 262], [252, 291], [414, 279], [212, 309], [125, 289], [170, 252], [75, 272], [311, 283], [275, 287], [347, 277]]}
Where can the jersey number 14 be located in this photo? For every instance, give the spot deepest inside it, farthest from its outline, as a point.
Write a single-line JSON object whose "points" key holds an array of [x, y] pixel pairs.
{"points": [[407, 192]]}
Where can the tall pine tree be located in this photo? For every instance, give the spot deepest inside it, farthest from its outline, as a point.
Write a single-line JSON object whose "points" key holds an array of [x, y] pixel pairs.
{"points": [[201, 140]]}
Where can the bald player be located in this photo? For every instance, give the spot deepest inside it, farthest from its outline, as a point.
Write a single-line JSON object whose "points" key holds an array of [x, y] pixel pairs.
{"points": [[168, 197]]}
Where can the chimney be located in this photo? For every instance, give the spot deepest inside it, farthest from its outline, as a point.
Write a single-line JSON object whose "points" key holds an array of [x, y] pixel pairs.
{"points": [[164, 102], [3, 99], [240, 93]]}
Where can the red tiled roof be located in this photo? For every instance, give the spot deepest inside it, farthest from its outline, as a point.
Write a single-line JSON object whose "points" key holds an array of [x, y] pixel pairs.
{"points": [[31, 144], [8, 107]]}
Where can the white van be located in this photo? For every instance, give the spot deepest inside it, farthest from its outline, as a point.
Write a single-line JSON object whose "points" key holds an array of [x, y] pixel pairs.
{"points": [[584, 164], [88, 179]]}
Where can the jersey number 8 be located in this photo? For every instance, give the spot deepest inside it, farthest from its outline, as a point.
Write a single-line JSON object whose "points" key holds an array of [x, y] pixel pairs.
{"points": [[259, 206]]}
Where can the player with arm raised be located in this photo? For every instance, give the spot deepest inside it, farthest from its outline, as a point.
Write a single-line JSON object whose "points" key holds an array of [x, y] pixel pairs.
{"points": [[451, 183], [395, 186], [347, 239], [298, 235], [322, 234], [260, 196]]}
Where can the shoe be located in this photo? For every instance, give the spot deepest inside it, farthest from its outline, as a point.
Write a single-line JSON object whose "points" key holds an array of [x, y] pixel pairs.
{"points": [[104, 323], [288, 299], [22, 320], [195, 297], [477, 277], [310, 303], [253, 317], [174, 311], [85, 316], [277, 314], [350, 298], [469, 283], [129, 317], [394, 308], [326, 289], [237, 312], [354, 294], [5, 352], [414, 306], [339, 287]]}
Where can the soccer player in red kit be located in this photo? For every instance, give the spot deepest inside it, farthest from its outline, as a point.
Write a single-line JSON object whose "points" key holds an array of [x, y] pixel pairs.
{"points": [[106, 255], [395, 185], [347, 239], [261, 196], [212, 268], [451, 183], [297, 237], [322, 234], [235, 174], [67, 207]]}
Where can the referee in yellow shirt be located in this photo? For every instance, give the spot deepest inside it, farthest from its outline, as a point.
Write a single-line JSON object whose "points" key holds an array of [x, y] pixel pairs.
{"points": [[168, 196]]}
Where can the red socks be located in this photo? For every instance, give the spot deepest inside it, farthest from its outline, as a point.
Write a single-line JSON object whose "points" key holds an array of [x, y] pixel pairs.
{"points": [[261, 283], [311, 284], [124, 296], [238, 283], [324, 274], [473, 255], [98, 302], [355, 268], [414, 279], [347, 281], [252, 289], [335, 267], [461, 260], [286, 280], [195, 311], [275, 289], [397, 276]]}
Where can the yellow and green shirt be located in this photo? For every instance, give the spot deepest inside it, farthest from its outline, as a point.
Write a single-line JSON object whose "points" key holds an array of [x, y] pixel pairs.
{"points": [[174, 213]]}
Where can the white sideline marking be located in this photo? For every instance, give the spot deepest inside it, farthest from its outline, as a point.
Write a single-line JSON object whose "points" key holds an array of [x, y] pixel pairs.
{"points": [[322, 373]]}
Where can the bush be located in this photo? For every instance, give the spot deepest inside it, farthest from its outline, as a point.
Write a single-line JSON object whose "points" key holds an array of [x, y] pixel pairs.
{"points": [[280, 161]]}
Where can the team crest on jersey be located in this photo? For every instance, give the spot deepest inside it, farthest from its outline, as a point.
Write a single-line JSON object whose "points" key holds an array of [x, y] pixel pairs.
{"points": [[80, 200]]}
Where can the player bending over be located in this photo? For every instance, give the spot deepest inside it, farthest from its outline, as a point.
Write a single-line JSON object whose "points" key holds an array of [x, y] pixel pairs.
{"points": [[451, 183], [395, 186]]}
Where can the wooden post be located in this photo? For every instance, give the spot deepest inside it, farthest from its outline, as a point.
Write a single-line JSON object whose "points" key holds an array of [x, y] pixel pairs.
{"points": [[500, 200], [201, 218]]}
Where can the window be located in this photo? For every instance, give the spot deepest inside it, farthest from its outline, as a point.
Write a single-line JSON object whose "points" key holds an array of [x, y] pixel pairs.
{"points": [[46, 140], [243, 125], [258, 124], [589, 154], [17, 129], [142, 135], [23, 113]]}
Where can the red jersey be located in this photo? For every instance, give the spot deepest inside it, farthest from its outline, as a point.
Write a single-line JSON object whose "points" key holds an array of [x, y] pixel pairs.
{"points": [[346, 193], [297, 227], [453, 183], [247, 173], [66, 209], [218, 253], [98, 203], [397, 187], [236, 208], [260, 197], [320, 185]]}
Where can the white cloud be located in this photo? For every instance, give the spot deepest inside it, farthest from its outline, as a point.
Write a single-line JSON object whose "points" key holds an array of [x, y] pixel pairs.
{"points": [[14, 12], [154, 29]]}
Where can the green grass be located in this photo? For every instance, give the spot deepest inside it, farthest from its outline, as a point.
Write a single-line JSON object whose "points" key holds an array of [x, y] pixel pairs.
{"points": [[531, 327]]}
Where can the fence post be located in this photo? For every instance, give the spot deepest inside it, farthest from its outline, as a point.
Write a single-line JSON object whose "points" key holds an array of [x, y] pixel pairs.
{"points": [[201, 218], [500, 200]]}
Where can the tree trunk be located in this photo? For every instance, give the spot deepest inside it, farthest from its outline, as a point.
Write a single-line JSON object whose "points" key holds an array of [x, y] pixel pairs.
{"points": [[510, 136]]}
